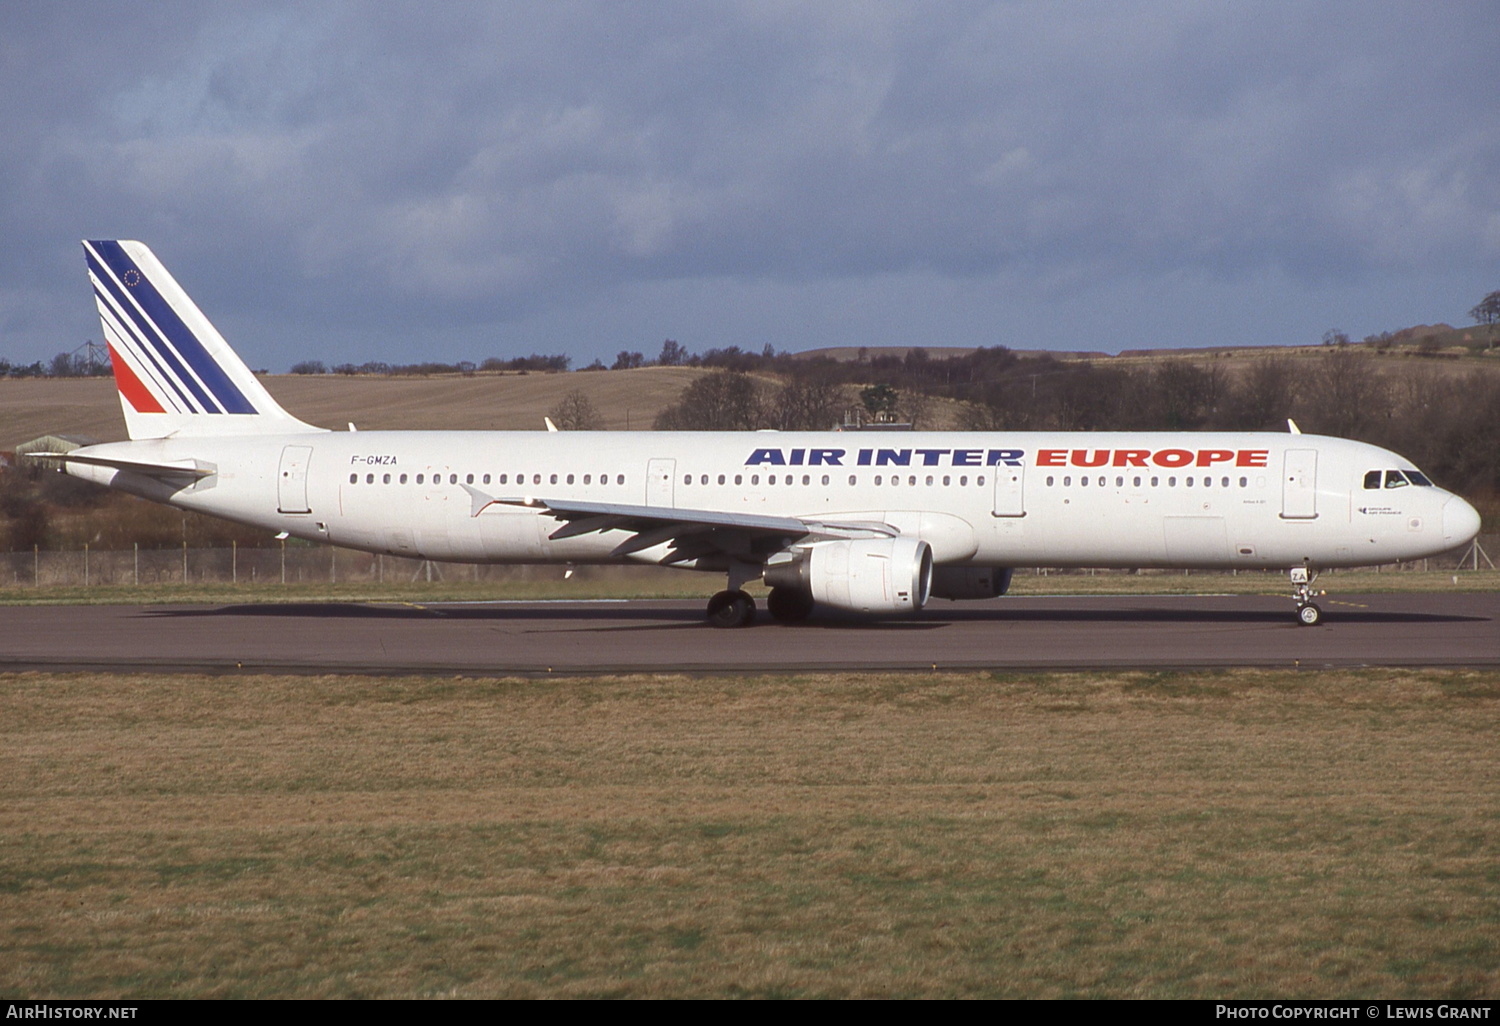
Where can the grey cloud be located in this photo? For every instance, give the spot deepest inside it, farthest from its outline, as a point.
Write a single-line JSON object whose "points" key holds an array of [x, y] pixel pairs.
{"points": [[456, 169]]}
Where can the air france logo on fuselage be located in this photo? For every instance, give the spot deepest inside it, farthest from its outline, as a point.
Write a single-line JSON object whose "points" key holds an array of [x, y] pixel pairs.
{"points": [[1169, 458]]}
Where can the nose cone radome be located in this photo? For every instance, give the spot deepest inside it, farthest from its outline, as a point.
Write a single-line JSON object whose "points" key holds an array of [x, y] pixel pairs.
{"points": [[1460, 522]]}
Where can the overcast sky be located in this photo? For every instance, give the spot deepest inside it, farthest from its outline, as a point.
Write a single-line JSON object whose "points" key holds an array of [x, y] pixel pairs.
{"points": [[384, 181]]}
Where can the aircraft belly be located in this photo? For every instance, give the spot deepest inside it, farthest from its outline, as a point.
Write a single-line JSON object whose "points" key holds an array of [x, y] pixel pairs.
{"points": [[508, 535]]}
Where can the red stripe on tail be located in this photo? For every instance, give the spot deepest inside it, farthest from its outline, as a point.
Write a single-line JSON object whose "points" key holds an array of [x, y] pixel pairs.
{"points": [[130, 386]]}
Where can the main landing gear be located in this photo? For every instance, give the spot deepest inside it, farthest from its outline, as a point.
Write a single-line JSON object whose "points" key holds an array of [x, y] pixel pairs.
{"points": [[1308, 613], [731, 609]]}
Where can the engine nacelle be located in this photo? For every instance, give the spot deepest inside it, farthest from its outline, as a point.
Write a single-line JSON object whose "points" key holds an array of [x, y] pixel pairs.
{"points": [[865, 575], [970, 582]]}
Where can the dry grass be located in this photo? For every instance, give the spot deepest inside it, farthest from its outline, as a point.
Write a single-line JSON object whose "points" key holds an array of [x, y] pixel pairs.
{"points": [[1163, 835], [487, 402]]}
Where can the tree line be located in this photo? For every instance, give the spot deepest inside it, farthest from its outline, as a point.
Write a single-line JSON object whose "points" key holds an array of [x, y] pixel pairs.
{"points": [[1444, 419]]}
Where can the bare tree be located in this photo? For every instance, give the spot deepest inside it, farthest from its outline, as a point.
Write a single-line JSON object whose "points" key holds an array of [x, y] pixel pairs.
{"points": [[916, 407], [1264, 397], [1185, 395], [722, 401], [575, 412], [1346, 394], [812, 405]]}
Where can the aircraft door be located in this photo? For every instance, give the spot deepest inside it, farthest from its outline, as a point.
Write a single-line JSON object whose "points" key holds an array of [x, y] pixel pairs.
{"points": [[659, 475], [1010, 500], [1299, 485], [291, 483]]}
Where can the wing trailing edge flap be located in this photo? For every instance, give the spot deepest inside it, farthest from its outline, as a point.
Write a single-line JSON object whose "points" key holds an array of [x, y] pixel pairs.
{"points": [[655, 525]]}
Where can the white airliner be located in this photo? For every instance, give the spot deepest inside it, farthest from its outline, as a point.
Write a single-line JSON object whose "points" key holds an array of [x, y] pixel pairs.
{"points": [[874, 523]]}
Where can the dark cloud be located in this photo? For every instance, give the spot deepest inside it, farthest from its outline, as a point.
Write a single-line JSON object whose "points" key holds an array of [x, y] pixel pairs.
{"points": [[385, 180]]}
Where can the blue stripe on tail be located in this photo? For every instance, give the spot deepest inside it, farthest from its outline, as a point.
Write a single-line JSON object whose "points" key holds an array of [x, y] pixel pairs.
{"points": [[225, 394]]}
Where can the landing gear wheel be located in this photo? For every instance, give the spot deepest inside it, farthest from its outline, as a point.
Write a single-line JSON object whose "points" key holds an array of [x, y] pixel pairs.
{"points": [[731, 609], [789, 604], [1308, 614]]}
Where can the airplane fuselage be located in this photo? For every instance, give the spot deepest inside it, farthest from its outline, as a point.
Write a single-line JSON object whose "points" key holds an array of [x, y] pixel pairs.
{"points": [[1220, 500]]}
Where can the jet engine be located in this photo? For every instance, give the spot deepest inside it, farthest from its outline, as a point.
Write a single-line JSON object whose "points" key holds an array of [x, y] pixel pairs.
{"points": [[970, 582], [865, 575]]}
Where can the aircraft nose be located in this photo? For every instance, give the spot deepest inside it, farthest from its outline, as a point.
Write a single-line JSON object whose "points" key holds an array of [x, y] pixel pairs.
{"points": [[1460, 521]]}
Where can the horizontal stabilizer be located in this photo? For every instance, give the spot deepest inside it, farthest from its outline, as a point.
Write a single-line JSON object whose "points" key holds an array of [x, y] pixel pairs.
{"points": [[181, 468]]}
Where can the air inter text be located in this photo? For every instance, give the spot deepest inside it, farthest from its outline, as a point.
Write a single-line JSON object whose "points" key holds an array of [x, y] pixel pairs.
{"points": [[1169, 458]]}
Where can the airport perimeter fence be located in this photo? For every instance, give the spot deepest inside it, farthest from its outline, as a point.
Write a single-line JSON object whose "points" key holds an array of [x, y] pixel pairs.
{"points": [[304, 564]]}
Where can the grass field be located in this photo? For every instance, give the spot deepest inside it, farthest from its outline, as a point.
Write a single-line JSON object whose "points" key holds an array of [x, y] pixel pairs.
{"points": [[1244, 833]]}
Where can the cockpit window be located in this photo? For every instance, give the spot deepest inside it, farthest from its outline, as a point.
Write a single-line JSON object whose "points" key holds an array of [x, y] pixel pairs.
{"points": [[1395, 478]]}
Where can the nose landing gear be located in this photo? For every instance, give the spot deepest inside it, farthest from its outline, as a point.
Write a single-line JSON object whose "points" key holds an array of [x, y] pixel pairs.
{"points": [[1308, 613]]}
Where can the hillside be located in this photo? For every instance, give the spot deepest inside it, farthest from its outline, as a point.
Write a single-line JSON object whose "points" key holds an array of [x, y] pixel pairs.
{"points": [[88, 406], [632, 398]]}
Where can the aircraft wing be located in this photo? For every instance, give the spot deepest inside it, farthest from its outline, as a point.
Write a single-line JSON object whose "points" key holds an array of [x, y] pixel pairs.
{"points": [[691, 532]]}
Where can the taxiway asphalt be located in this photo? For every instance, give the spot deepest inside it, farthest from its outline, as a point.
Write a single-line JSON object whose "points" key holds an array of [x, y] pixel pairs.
{"points": [[1012, 633]]}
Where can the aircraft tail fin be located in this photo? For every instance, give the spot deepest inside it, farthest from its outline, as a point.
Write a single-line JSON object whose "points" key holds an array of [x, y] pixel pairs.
{"points": [[175, 373]]}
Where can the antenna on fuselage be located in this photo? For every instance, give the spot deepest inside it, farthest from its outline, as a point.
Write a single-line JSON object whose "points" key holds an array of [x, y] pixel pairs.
{"points": [[1291, 425]]}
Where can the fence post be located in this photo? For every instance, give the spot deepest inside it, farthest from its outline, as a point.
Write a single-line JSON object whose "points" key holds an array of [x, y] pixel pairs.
{"points": [[85, 564], [137, 547], [36, 567], [283, 561], [234, 561], [184, 561]]}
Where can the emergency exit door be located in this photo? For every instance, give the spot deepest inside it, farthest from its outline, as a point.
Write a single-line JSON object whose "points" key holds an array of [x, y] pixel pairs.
{"points": [[659, 475], [1010, 500]]}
